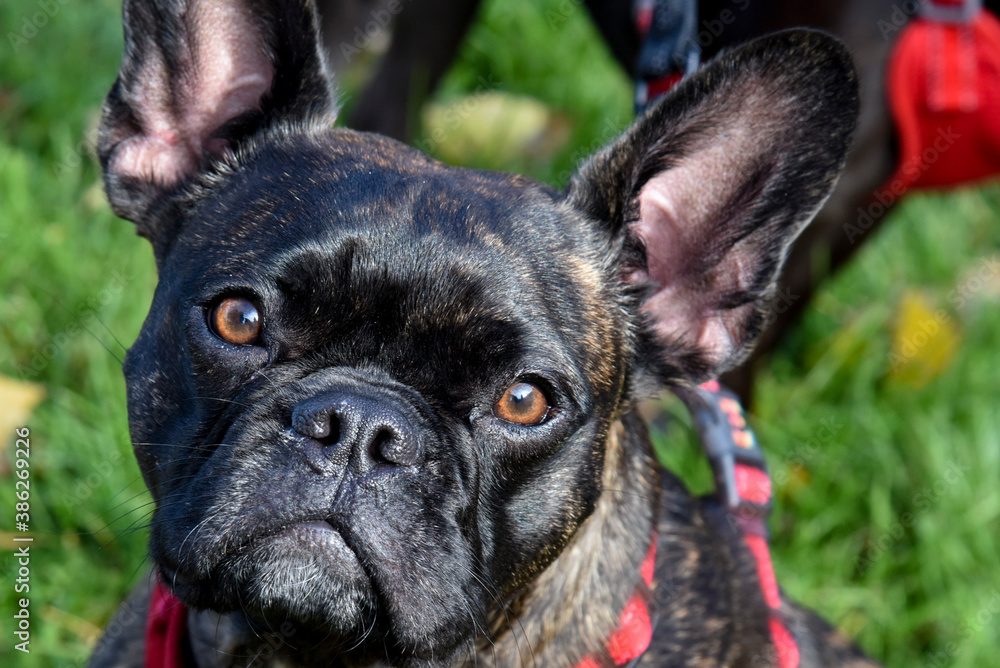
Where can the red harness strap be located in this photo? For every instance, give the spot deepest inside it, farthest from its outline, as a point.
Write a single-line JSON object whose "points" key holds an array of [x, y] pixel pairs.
{"points": [[634, 632], [166, 625], [744, 490], [756, 487]]}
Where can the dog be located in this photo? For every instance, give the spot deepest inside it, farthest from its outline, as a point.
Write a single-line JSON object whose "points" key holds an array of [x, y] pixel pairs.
{"points": [[387, 408]]}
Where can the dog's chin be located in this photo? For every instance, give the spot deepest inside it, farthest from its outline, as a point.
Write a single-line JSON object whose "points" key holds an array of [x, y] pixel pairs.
{"points": [[304, 574]]}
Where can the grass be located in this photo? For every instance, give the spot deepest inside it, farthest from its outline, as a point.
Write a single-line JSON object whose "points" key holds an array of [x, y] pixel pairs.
{"points": [[887, 516]]}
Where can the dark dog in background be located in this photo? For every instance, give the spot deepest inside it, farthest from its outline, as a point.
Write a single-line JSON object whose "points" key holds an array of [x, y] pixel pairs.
{"points": [[387, 407]]}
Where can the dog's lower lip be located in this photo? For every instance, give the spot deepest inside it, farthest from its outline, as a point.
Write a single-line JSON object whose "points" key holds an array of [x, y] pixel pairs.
{"points": [[313, 531], [318, 532], [318, 537]]}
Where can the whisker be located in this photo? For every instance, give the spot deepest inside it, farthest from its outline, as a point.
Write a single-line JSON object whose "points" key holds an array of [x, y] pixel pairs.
{"points": [[220, 399]]}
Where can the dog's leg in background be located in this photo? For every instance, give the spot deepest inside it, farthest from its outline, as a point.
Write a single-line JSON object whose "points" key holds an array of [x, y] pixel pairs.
{"points": [[425, 38]]}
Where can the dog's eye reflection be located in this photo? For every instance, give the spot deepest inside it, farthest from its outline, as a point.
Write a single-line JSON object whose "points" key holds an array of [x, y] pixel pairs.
{"points": [[522, 403], [236, 320]]}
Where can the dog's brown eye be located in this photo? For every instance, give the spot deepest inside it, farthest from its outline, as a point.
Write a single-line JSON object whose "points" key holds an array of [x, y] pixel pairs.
{"points": [[236, 320], [522, 403]]}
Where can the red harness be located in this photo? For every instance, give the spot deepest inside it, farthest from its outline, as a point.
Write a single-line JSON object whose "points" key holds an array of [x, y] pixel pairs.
{"points": [[634, 632], [743, 488]]}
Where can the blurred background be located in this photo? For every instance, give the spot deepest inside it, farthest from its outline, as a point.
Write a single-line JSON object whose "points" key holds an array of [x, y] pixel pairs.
{"points": [[877, 400]]}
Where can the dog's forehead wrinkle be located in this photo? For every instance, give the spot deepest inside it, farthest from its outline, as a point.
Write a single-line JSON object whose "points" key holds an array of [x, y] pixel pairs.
{"points": [[339, 190]]}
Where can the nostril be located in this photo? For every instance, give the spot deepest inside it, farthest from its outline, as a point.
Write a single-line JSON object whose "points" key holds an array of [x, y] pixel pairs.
{"points": [[318, 419], [380, 442], [395, 447], [332, 432]]}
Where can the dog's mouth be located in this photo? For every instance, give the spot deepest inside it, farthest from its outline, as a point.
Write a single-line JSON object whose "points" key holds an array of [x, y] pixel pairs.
{"points": [[289, 573], [309, 529], [326, 549], [326, 544], [321, 538]]}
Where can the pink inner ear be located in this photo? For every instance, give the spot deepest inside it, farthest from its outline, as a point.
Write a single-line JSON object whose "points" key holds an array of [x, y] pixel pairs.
{"points": [[686, 260], [224, 72]]}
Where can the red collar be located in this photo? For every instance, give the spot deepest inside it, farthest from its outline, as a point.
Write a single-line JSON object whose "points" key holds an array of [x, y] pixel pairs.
{"points": [[166, 625]]}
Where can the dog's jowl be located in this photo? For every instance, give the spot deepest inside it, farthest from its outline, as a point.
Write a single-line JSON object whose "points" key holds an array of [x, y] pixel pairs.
{"points": [[386, 407]]}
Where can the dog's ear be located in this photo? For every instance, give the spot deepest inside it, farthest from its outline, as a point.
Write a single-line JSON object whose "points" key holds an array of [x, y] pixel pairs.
{"points": [[705, 193], [197, 78]]}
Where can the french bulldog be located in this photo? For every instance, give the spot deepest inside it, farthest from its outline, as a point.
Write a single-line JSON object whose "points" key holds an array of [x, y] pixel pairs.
{"points": [[387, 408]]}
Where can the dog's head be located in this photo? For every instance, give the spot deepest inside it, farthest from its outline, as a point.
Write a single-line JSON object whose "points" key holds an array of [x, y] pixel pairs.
{"points": [[375, 390]]}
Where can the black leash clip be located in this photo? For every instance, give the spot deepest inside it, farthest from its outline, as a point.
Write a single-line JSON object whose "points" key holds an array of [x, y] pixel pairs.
{"points": [[741, 481]]}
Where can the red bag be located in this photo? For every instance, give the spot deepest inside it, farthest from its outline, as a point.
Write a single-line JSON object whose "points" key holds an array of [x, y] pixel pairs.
{"points": [[944, 95]]}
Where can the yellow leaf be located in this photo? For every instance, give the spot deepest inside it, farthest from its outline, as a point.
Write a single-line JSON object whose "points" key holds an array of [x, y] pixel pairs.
{"points": [[924, 341], [8, 542], [17, 400]]}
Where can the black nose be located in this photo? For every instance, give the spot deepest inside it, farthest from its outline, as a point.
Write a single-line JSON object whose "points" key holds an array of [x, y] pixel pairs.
{"points": [[371, 428]]}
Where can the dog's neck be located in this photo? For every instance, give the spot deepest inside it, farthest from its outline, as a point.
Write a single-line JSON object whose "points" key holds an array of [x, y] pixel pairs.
{"points": [[573, 606]]}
